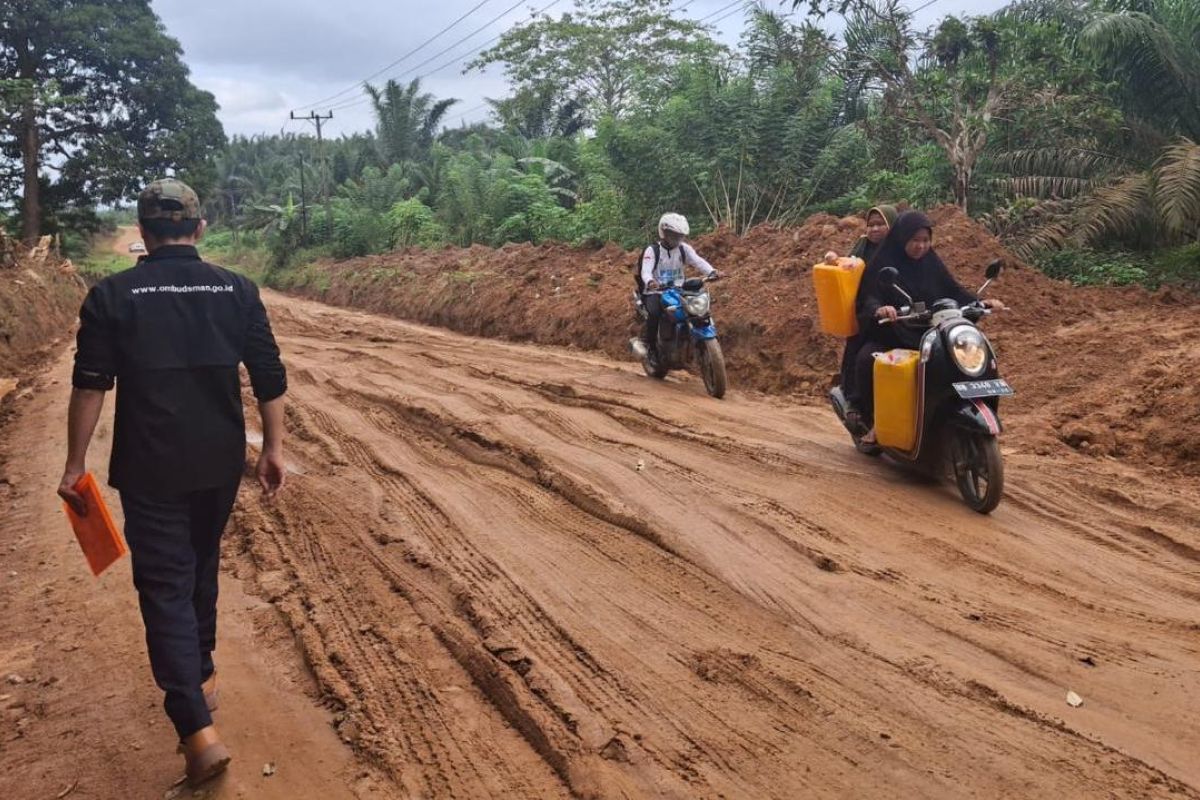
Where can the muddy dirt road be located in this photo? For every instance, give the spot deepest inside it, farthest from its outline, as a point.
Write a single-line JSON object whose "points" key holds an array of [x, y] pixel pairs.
{"points": [[528, 572], [125, 236]]}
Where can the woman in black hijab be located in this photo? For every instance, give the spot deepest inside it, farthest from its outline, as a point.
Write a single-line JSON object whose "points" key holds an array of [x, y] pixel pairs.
{"points": [[908, 248]]}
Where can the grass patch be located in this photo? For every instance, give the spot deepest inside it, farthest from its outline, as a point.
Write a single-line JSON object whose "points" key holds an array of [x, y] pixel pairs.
{"points": [[253, 262], [1173, 267], [100, 264]]}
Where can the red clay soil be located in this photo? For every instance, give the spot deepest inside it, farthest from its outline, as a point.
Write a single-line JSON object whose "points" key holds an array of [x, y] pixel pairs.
{"points": [[1104, 371], [40, 294]]}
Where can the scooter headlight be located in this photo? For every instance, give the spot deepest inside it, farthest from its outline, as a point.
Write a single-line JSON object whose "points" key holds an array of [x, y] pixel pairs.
{"points": [[698, 305], [969, 349]]}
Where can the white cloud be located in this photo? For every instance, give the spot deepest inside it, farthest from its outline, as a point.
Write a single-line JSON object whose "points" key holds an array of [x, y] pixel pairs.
{"points": [[263, 57], [241, 97]]}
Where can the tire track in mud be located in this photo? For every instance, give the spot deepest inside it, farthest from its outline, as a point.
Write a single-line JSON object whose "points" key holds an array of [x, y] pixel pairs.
{"points": [[484, 496], [564, 660], [819, 558], [614, 744], [380, 688]]}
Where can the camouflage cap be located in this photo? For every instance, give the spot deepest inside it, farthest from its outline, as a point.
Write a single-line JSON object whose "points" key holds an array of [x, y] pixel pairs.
{"points": [[168, 199]]}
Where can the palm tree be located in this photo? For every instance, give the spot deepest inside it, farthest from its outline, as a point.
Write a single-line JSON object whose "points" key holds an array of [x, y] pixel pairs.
{"points": [[1152, 193], [540, 113], [406, 120]]}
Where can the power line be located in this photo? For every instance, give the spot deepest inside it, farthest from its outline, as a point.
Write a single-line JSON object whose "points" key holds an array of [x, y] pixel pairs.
{"points": [[445, 50], [463, 115], [722, 9], [400, 60], [726, 16], [455, 60], [479, 107], [318, 120], [463, 56]]}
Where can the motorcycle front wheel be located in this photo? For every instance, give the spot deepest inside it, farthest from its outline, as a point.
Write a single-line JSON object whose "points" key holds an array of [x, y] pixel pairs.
{"points": [[978, 470], [712, 367]]}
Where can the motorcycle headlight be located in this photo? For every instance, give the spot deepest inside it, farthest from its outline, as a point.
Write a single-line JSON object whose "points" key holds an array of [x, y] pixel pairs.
{"points": [[698, 305], [969, 349]]}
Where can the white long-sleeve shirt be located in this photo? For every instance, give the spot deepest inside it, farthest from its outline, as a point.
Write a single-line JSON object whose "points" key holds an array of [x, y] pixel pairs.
{"points": [[671, 263]]}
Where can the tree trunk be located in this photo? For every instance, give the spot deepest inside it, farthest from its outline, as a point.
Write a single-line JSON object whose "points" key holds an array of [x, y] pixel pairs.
{"points": [[962, 186], [31, 145], [31, 206]]}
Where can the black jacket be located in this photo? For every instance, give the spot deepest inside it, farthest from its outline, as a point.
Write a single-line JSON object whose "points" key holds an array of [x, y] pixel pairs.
{"points": [[170, 333], [926, 279]]}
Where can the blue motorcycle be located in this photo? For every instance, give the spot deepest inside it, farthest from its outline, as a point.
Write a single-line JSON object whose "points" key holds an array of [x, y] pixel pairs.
{"points": [[686, 333]]}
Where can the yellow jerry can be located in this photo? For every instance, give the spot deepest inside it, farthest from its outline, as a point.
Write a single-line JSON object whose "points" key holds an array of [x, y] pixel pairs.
{"points": [[896, 394], [836, 287]]}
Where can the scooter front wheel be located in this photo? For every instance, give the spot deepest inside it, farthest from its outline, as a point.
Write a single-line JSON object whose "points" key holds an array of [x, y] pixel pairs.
{"points": [[978, 470]]}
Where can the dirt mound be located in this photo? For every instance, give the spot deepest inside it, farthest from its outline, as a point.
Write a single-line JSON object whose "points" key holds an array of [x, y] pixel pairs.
{"points": [[40, 294], [1083, 363]]}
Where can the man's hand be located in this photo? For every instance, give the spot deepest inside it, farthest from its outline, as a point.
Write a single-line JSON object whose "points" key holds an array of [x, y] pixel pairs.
{"points": [[653, 286], [82, 415], [66, 490], [887, 312], [272, 473], [715, 275], [995, 305]]}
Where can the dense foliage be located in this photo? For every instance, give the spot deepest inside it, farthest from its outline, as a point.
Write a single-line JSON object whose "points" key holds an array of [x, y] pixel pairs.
{"points": [[94, 101], [1063, 124]]}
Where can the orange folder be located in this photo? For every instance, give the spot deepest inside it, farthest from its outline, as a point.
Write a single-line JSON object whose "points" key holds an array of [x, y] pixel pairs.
{"points": [[98, 536]]}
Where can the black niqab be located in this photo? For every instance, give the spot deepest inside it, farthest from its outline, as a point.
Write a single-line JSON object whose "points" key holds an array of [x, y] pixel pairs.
{"points": [[926, 279]]}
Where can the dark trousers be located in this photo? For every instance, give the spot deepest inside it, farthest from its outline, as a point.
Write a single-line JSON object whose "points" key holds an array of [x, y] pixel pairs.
{"points": [[176, 549], [849, 356], [654, 309], [864, 378]]}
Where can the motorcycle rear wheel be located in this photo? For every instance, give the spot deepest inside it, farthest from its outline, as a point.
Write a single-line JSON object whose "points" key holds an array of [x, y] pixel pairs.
{"points": [[712, 367], [978, 470]]}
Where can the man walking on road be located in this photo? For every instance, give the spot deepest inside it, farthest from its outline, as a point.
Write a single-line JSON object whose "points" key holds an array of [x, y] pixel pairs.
{"points": [[170, 334]]}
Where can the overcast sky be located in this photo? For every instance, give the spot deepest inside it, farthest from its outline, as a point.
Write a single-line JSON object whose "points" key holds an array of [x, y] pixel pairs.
{"points": [[263, 58]]}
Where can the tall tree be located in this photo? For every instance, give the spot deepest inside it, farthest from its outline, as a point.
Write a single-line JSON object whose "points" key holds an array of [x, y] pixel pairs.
{"points": [[949, 84], [95, 99], [608, 55]]}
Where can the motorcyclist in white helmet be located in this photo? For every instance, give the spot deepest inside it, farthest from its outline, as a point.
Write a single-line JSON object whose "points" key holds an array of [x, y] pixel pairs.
{"points": [[662, 267]]}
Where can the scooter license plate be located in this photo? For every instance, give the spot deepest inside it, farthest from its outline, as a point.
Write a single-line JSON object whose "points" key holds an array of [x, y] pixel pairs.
{"points": [[972, 390]]}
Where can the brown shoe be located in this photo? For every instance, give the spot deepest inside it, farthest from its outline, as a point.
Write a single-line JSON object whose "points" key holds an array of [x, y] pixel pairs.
{"points": [[205, 755], [211, 694]]}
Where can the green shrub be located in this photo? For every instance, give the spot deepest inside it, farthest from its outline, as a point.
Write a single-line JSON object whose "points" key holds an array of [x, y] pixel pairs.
{"points": [[413, 224], [1180, 265], [1092, 268]]}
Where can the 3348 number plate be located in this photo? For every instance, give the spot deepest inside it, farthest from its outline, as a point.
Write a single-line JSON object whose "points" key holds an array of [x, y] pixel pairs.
{"points": [[971, 390]]}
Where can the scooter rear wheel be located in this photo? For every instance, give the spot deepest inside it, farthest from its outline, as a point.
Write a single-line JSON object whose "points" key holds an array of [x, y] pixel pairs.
{"points": [[978, 470]]}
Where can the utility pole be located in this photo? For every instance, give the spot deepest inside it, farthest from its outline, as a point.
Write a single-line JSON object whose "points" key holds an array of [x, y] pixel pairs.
{"points": [[318, 120], [303, 202]]}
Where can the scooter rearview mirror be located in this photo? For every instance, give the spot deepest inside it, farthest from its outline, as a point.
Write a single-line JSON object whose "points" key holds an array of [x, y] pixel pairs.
{"points": [[887, 279], [993, 271]]}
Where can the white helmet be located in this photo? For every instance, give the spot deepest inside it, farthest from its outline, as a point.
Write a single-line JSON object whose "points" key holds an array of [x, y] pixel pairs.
{"points": [[675, 223]]}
